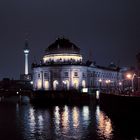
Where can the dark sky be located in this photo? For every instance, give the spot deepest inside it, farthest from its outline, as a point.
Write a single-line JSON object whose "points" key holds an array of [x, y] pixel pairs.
{"points": [[108, 30]]}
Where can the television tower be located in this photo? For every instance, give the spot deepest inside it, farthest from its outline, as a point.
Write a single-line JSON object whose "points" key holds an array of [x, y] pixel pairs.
{"points": [[26, 53]]}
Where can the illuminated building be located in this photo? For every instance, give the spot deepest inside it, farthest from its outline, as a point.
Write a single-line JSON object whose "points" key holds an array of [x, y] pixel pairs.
{"points": [[62, 68]]}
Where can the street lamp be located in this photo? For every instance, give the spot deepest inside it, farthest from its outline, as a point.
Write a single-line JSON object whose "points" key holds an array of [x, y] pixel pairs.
{"points": [[107, 84], [100, 82], [131, 77]]}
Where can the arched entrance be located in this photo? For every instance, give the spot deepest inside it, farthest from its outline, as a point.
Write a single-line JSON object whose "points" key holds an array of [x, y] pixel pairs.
{"points": [[76, 84], [83, 83], [46, 85], [55, 85], [66, 85]]}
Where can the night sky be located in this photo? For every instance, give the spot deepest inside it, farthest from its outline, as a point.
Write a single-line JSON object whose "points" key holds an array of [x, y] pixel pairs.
{"points": [[105, 30]]}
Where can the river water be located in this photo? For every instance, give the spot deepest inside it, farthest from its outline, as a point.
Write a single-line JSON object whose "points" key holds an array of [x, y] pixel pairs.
{"points": [[23, 121]]}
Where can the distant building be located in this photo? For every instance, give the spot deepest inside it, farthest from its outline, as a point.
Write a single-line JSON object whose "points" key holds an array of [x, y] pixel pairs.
{"points": [[62, 68]]}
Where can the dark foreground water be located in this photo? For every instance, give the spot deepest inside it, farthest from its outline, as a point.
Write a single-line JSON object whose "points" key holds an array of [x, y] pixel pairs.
{"points": [[23, 121]]}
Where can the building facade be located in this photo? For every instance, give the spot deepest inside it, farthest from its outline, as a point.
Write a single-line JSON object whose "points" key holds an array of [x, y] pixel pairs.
{"points": [[62, 68]]}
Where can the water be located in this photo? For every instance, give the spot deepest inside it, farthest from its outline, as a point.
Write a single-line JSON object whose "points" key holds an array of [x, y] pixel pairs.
{"points": [[23, 121]]}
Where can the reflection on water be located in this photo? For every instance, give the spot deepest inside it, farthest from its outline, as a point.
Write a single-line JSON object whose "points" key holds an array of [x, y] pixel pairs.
{"points": [[58, 123], [104, 125], [64, 122]]}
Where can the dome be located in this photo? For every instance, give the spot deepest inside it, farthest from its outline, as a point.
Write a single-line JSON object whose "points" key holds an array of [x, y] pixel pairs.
{"points": [[62, 45], [62, 50]]}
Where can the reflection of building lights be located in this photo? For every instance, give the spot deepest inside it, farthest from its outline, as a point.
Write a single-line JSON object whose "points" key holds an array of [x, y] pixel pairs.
{"points": [[86, 114], [65, 118], [57, 116], [97, 94], [104, 124], [40, 121], [75, 115], [32, 119]]}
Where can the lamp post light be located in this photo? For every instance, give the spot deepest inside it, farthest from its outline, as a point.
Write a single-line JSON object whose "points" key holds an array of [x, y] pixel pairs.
{"points": [[100, 82], [120, 86], [107, 84], [131, 77]]}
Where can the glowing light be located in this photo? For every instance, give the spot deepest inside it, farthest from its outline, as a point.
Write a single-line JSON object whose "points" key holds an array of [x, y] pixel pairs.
{"points": [[32, 122], [85, 90], [100, 80], [107, 81], [39, 84], [66, 84], [129, 76], [40, 122], [62, 57], [83, 83], [31, 82], [26, 51], [55, 84], [46, 85], [120, 83], [76, 84], [85, 114], [65, 118], [104, 124], [97, 94], [75, 116]]}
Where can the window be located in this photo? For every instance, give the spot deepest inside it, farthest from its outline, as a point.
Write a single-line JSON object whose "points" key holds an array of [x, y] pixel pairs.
{"points": [[66, 74], [38, 75], [75, 74], [45, 75], [84, 74]]}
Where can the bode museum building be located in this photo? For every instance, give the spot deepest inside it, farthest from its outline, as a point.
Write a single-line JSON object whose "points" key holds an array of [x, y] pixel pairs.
{"points": [[62, 68]]}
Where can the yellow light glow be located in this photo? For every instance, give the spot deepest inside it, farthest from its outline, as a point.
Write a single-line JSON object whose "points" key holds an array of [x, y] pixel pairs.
{"points": [[129, 76], [76, 84], [39, 84], [46, 85], [62, 57]]}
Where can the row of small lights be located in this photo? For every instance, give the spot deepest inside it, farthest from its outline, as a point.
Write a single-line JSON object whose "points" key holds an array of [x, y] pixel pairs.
{"points": [[106, 81]]}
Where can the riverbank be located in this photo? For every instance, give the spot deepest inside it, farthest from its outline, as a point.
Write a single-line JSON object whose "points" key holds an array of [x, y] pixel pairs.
{"points": [[120, 103], [62, 97]]}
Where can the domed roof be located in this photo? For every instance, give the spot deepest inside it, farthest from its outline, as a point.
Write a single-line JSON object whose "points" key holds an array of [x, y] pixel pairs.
{"points": [[62, 45]]}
